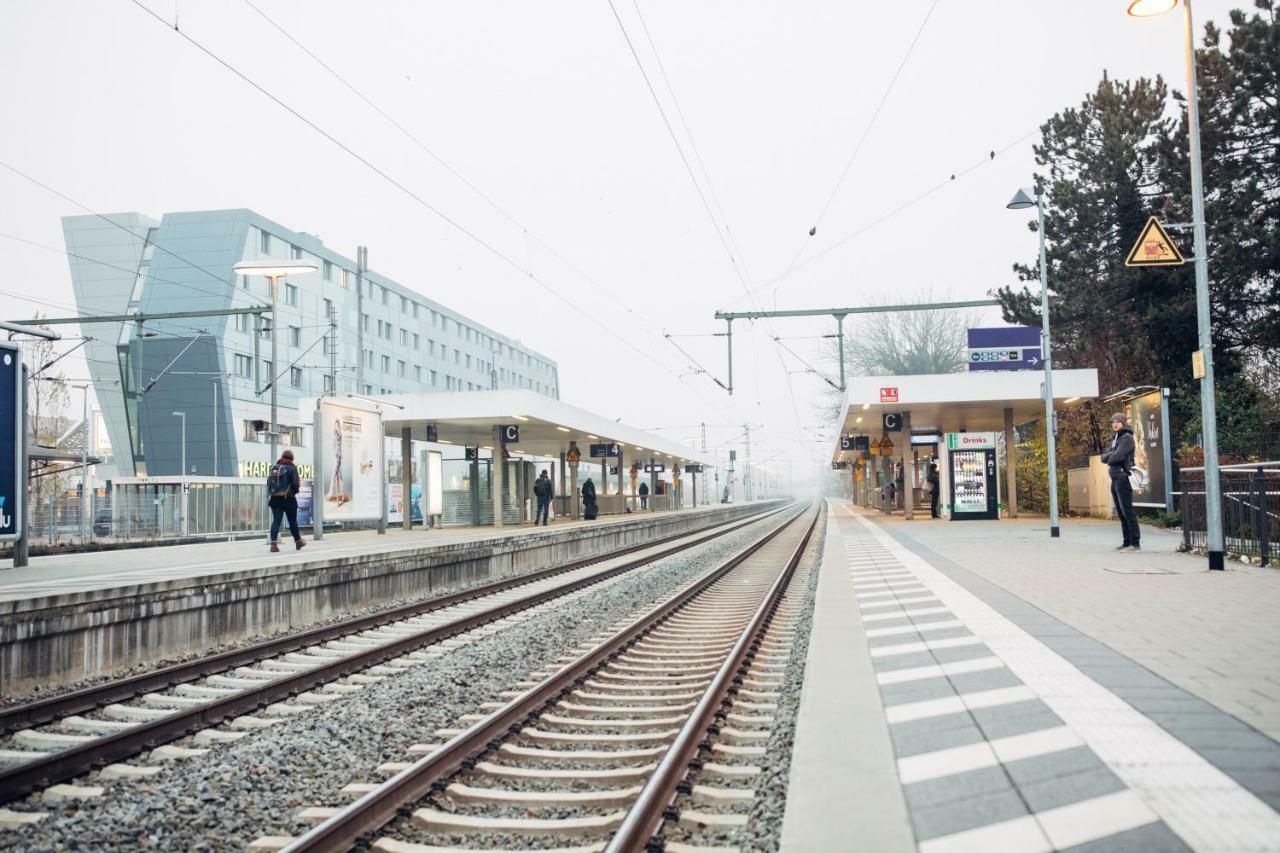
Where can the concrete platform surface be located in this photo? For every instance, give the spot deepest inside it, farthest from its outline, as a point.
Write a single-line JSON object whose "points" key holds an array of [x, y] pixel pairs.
{"points": [[100, 570], [1028, 694]]}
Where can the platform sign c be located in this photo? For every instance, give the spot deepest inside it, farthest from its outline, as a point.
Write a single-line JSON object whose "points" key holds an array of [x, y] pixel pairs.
{"points": [[12, 479]]}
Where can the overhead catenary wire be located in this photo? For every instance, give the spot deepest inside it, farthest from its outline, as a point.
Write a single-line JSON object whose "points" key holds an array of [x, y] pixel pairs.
{"points": [[410, 193], [866, 132]]}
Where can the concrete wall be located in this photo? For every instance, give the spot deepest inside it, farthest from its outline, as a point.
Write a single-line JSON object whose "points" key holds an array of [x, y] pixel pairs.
{"points": [[62, 638]]}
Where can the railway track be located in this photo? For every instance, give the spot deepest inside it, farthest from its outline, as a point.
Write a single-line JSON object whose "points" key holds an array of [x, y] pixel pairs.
{"points": [[596, 753], [225, 696]]}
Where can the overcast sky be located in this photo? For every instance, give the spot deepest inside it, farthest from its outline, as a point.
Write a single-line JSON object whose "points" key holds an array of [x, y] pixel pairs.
{"points": [[542, 107]]}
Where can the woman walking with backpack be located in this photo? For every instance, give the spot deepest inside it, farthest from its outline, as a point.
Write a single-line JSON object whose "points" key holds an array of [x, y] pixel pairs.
{"points": [[282, 487]]}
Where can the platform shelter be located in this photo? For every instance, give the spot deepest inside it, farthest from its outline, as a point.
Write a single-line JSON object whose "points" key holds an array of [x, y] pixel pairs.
{"points": [[953, 419], [529, 427]]}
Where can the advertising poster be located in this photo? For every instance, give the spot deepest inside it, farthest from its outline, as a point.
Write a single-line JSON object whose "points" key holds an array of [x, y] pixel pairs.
{"points": [[349, 446], [305, 492], [1148, 448]]}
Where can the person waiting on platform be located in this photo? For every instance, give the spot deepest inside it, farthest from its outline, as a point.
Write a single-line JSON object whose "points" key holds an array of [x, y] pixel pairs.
{"points": [[542, 493], [282, 490], [931, 484], [1119, 461], [589, 508], [644, 495]]}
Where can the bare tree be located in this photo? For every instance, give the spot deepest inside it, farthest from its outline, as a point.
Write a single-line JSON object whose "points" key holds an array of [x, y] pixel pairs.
{"points": [[901, 343], [47, 397]]}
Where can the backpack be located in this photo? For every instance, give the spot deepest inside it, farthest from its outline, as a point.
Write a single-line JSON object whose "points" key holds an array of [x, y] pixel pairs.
{"points": [[279, 481]]}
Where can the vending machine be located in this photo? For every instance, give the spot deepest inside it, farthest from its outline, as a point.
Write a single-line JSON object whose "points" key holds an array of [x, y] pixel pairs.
{"points": [[972, 470]]}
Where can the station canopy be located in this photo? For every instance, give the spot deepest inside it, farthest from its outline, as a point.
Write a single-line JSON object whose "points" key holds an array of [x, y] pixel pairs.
{"points": [[546, 425], [974, 401]]}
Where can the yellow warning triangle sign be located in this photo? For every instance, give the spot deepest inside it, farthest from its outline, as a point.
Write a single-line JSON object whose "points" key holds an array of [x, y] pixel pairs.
{"points": [[1154, 248]]}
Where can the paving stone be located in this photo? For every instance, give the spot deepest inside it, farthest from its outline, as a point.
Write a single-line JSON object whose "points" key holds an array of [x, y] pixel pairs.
{"points": [[1243, 759], [915, 728], [916, 691], [932, 741], [1020, 724], [1154, 838], [1064, 790], [958, 786], [961, 653], [992, 679], [1009, 711], [941, 634], [907, 661], [1027, 771], [967, 814]]}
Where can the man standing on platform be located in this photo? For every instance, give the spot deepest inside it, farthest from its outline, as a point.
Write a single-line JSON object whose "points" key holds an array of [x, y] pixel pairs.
{"points": [[542, 492], [1119, 461]]}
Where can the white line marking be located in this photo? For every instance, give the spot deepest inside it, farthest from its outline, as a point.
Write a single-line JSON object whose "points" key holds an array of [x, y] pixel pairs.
{"points": [[975, 756], [923, 646], [919, 673], [910, 611], [1020, 835], [1090, 820], [915, 599], [923, 628]]}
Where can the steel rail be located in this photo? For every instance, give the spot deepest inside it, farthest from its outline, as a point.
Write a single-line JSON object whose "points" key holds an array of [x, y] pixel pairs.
{"points": [[650, 808], [69, 763], [90, 698], [378, 807]]}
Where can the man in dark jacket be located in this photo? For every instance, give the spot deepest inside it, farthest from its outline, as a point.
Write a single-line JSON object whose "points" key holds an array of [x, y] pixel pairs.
{"points": [[282, 490], [644, 495], [542, 492], [589, 508], [1119, 461]]}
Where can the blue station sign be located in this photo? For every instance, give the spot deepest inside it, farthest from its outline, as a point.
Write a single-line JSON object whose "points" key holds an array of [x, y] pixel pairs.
{"points": [[13, 481], [606, 451], [1005, 348]]}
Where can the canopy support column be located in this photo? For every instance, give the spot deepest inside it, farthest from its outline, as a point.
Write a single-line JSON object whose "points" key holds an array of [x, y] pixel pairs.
{"points": [[1010, 466], [496, 476]]}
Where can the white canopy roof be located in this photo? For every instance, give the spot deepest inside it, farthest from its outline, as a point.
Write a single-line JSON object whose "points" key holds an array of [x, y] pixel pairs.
{"points": [[956, 402], [546, 425]]}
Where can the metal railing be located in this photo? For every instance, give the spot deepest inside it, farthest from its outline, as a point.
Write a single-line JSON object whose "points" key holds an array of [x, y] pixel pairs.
{"points": [[1250, 510]]}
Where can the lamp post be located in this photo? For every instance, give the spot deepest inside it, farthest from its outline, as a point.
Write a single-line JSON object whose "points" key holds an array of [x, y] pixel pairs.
{"points": [[273, 271], [183, 469], [1021, 201], [1208, 403]]}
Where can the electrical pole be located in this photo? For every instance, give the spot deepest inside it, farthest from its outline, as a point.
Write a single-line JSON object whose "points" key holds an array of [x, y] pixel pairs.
{"points": [[746, 467], [333, 351], [362, 255], [705, 499], [85, 503]]}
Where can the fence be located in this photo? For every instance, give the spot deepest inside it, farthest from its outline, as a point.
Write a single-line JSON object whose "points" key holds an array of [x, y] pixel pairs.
{"points": [[1250, 510]]}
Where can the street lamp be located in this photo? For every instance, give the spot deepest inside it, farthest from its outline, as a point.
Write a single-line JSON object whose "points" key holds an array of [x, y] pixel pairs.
{"points": [[1208, 404], [1022, 201], [273, 271]]}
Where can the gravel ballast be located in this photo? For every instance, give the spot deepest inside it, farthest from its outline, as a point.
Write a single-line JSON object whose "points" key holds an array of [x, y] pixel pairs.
{"points": [[255, 786]]}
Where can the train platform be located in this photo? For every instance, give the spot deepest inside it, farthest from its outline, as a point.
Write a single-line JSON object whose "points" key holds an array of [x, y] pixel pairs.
{"points": [[66, 617], [978, 686], [129, 568]]}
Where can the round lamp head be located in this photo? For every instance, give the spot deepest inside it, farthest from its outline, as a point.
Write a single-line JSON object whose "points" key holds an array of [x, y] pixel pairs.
{"points": [[1150, 8], [273, 269], [1020, 201]]}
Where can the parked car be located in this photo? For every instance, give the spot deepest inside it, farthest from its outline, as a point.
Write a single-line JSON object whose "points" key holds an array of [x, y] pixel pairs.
{"points": [[102, 522]]}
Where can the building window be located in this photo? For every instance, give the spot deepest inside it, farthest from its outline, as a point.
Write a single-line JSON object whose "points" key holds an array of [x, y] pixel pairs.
{"points": [[433, 379], [386, 295], [295, 336], [295, 377], [295, 252], [250, 433], [364, 322], [368, 358], [291, 294], [404, 337], [387, 332], [468, 361], [457, 356], [264, 243], [242, 322], [416, 340], [386, 364], [415, 310], [400, 369], [327, 267], [328, 308], [417, 373], [265, 327], [244, 282], [328, 384], [345, 279], [243, 366], [404, 305]]}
